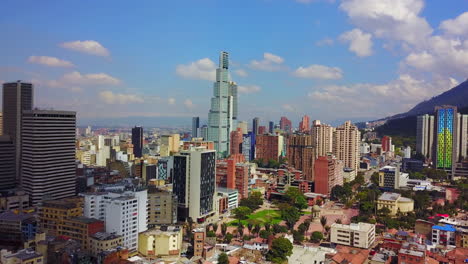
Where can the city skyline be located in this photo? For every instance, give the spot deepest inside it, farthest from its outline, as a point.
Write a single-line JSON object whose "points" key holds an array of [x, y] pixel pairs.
{"points": [[329, 60]]}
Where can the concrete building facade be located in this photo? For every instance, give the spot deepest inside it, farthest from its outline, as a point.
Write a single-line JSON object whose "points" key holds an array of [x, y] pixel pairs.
{"points": [[48, 154], [360, 235]]}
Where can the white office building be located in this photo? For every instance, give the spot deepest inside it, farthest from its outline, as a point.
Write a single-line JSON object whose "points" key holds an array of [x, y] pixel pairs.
{"points": [[124, 214], [361, 235]]}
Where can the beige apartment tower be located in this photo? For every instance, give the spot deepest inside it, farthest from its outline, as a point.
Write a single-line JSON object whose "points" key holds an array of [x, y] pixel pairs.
{"points": [[346, 140], [322, 138]]}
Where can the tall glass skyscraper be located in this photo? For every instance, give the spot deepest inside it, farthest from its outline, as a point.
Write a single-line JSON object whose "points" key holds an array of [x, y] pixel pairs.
{"points": [[445, 121], [222, 118]]}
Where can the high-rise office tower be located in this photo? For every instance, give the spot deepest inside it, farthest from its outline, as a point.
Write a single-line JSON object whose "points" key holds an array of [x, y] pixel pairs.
{"points": [[222, 118], [301, 154], [17, 97], [346, 139], [1, 123], [443, 139], [48, 154], [304, 125], [285, 124], [446, 143], [7, 163], [322, 138], [244, 126], [271, 127], [195, 126], [425, 135], [255, 125], [137, 141], [194, 183]]}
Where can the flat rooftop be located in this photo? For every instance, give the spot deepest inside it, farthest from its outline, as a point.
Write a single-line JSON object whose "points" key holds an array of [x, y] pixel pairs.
{"points": [[389, 196]]}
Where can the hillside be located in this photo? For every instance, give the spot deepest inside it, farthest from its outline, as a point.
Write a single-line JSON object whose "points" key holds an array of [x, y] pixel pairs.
{"points": [[456, 96]]}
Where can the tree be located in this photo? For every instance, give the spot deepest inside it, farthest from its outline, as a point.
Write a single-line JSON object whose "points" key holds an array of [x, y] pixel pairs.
{"points": [[338, 221], [290, 214], [294, 196], [341, 193], [223, 258], [359, 179], [249, 227], [384, 211], [265, 234], [302, 228], [215, 228], [210, 234], [254, 201], [241, 213], [323, 221], [298, 236], [375, 178], [316, 236], [257, 229], [223, 229], [267, 226], [240, 229], [281, 249], [228, 238]]}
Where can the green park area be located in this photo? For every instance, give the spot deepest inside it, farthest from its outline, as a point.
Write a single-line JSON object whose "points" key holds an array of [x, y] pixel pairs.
{"points": [[260, 217]]}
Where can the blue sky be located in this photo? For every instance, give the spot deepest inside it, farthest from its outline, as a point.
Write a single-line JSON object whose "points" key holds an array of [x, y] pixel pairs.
{"points": [[332, 60]]}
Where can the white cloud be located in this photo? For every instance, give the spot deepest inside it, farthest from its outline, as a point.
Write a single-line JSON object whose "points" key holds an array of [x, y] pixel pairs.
{"points": [[109, 97], [339, 89], [241, 73], [188, 103], [325, 42], [359, 42], [247, 89], [288, 107], [270, 62], [49, 61], [77, 79], [442, 56], [203, 69], [319, 72], [325, 96], [273, 58], [389, 19], [86, 46], [457, 26], [171, 101]]}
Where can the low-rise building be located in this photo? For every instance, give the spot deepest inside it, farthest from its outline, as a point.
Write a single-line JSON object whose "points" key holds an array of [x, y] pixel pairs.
{"points": [[102, 241], [16, 227], [257, 243], [412, 253], [232, 195], [13, 200], [395, 203], [161, 241], [361, 235], [52, 213], [24, 256], [443, 234], [80, 229]]}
